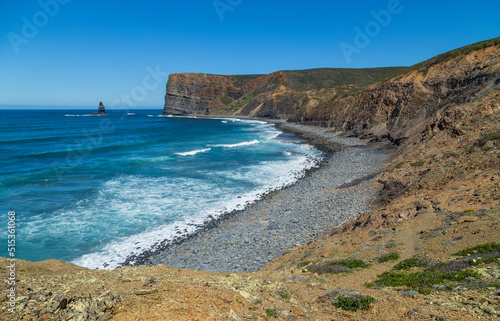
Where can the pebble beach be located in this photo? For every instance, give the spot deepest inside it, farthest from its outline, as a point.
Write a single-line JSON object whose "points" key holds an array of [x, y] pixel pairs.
{"points": [[325, 198]]}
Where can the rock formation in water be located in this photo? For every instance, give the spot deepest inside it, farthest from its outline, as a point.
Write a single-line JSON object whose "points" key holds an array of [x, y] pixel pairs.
{"points": [[101, 110]]}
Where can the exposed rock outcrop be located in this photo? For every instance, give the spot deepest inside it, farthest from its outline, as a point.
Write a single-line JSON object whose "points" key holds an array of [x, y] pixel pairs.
{"points": [[209, 94], [394, 108], [100, 110]]}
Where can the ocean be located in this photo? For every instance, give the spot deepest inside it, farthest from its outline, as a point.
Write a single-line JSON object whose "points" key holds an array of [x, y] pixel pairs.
{"points": [[93, 190]]}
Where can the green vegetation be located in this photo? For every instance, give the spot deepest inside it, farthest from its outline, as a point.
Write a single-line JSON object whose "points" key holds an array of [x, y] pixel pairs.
{"points": [[353, 303], [489, 137], [237, 104], [334, 267], [303, 80], [419, 163], [270, 312], [423, 281], [425, 70], [480, 249], [226, 100], [389, 257], [424, 66], [391, 244], [410, 293], [441, 276], [400, 165], [241, 80], [412, 263]]}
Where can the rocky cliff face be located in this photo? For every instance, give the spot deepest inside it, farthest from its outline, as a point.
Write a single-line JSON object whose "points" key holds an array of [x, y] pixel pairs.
{"points": [[402, 105], [195, 93], [394, 108], [204, 94]]}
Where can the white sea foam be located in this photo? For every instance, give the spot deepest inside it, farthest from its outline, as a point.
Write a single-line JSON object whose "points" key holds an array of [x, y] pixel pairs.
{"points": [[158, 209], [86, 115], [130, 114], [253, 142], [140, 200], [193, 152], [224, 121]]}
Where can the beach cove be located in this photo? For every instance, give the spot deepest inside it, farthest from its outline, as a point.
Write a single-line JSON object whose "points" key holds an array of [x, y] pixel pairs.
{"points": [[330, 195]]}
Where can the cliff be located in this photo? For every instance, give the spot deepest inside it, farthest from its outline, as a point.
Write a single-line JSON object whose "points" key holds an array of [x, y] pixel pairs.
{"points": [[274, 95], [379, 103], [401, 106]]}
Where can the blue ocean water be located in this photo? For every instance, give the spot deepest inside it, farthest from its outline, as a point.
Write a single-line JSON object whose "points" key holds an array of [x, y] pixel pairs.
{"points": [[93, 190]]}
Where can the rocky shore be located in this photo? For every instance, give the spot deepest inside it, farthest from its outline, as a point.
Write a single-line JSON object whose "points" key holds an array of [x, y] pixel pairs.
{"points": [[328, 196]]}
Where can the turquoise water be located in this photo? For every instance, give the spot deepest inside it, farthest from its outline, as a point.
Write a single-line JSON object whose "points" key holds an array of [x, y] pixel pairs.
{"points": [[93, 190]]}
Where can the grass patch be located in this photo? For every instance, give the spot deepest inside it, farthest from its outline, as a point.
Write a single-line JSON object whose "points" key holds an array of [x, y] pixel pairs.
{"points": [[489, 137], [303, 264], [400, 165], [335, 267], [226, 100], [455, 53], [442, 276], [389, 257], [480, 249], [423, 281], [419, 163], [353, 303], [270, 312], [414, 262], [424, 71], [303, 80]]}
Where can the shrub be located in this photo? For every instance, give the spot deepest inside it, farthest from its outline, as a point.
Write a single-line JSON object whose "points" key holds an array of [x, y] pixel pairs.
{"points": [[353, 303], [334, 267], [226, 100], [411, 263], [389, 257], [479, 249], [270, 312]]}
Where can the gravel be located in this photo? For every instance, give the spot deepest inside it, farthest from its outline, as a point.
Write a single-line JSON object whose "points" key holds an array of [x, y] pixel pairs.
{"points": [[297, 214]]}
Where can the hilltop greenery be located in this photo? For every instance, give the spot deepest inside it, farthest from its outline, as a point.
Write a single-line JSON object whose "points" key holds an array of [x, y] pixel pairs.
{"points": [[302, 80], [423, 66]]}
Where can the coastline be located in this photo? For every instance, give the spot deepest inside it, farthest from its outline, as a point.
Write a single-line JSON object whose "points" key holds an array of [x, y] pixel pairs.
{"points": [[326, 197]]}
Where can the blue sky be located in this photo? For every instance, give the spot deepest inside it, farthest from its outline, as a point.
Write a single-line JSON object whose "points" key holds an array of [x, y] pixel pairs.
{"points": [[73, 53]]}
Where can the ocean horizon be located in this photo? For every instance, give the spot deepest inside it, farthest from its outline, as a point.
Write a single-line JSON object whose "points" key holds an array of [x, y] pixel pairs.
{"points": [[94, 190]]}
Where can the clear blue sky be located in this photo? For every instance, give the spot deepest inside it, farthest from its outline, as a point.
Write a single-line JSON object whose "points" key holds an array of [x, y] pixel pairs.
{"points": [[83, 52]]}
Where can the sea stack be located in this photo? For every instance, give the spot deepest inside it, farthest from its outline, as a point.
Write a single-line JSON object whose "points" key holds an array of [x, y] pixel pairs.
{"points": [[101, 110]]}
